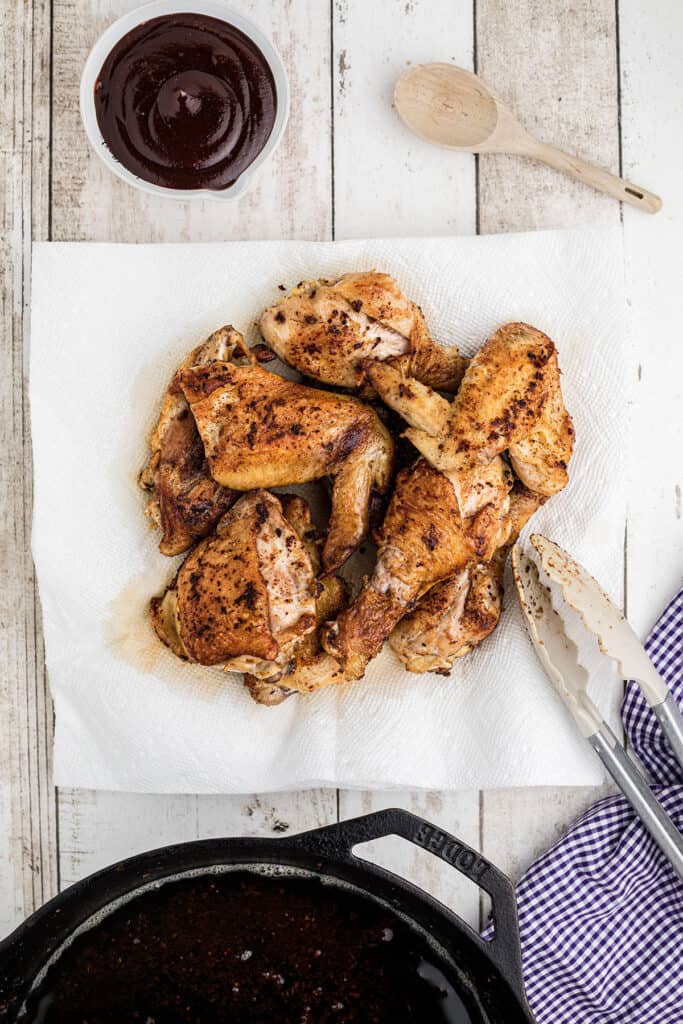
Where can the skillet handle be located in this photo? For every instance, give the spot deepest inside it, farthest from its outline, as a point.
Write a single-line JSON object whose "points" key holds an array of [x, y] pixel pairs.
{"points": [[337, 842]]}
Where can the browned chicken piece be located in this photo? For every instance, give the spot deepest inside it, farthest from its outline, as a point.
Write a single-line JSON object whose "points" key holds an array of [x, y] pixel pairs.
{"points": [[309, 667], [260, 430], [243, 597], [540, 459], [510, 398], [423, 540], [451, 619], [457, 614], [326, 329], [248, 600], [185, 502]]}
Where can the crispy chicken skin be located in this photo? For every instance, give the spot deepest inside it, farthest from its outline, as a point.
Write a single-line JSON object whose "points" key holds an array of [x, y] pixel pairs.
{"points": [[248, 600], [308, 667], [326, 329], [261, 430], [423, 540], [457, 614], [243, 596], [185, 502], [541, 459], [259, 595], [510, 398]]}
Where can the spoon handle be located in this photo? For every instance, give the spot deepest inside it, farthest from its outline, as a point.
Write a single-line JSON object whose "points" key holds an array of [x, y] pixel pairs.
{"points": [[594, 176]]}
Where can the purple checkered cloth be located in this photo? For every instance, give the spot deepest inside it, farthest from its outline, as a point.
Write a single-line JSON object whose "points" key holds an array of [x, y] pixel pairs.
{"points": [[601, 913]]}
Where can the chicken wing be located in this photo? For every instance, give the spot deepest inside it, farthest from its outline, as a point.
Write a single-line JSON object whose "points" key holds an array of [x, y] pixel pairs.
{"points": [[457, 614], [185, 502], [326, 329], [423, 540], [541, 459], [260, 430], [510, 398]]}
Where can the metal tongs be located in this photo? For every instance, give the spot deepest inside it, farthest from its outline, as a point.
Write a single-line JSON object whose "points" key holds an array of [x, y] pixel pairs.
{"points": [[561, 601]]}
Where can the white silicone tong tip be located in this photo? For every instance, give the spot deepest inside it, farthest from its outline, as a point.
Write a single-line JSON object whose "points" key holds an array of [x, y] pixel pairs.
{"points": [[555, 649], [601, 617]]}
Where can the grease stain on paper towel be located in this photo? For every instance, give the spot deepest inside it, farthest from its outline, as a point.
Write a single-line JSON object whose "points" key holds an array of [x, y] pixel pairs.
{"points": [[129, 630], [129, 634]]}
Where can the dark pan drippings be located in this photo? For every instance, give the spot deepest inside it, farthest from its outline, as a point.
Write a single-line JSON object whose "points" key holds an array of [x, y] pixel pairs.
{"points": [[242, 947]]}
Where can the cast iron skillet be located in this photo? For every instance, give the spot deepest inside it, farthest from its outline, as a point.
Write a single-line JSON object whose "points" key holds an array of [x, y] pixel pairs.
{"points": [[491, 972]]}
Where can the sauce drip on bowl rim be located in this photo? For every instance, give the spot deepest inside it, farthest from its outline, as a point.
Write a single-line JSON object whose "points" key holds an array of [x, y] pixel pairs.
{"points": [[186, 101]]}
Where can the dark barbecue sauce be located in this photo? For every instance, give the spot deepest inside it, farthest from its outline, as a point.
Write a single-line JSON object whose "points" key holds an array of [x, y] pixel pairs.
{"points": [[241, 947], [186, 101]]}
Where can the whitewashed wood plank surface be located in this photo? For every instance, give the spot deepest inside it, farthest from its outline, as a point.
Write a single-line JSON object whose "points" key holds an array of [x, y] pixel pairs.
{"points": [[27, 807], [392, 192], [652, 151], [557, 64], [293, 199], [387, 181]]}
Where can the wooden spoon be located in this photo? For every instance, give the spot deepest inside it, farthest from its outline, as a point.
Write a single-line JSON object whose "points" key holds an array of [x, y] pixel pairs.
{"points": [[452, 107]]}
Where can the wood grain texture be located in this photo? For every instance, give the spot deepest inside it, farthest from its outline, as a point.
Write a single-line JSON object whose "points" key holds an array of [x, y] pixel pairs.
{"points": [[556, 66], [98, 828], [292, 199], [27, 809], [387, 181], [652, 79], [402, 186]]}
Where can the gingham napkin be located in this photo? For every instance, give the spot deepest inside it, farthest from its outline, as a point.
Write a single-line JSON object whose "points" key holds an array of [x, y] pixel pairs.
{"points": [[601, 913]]}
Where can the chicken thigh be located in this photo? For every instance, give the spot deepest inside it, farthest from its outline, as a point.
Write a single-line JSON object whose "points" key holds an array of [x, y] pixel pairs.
{"points": [[326, 329], [242, 597], [260, 430], [248, 600]]}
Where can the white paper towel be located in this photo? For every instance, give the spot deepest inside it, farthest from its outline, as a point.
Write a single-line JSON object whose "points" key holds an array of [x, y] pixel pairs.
{"points": [[110, 323]]}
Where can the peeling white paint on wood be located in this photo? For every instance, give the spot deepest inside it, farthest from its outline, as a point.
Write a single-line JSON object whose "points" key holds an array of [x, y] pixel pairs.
{"points": [[557, 66], [291, 200], [652, 148], [27, 805], [387, 181]]}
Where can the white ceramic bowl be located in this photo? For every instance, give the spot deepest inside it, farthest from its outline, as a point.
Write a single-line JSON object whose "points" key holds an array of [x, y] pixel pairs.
{"points": [[157, 9]]}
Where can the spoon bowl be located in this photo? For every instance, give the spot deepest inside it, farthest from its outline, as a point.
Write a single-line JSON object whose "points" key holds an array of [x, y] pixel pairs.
{"points": [[447, 106], [451, 107]]}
